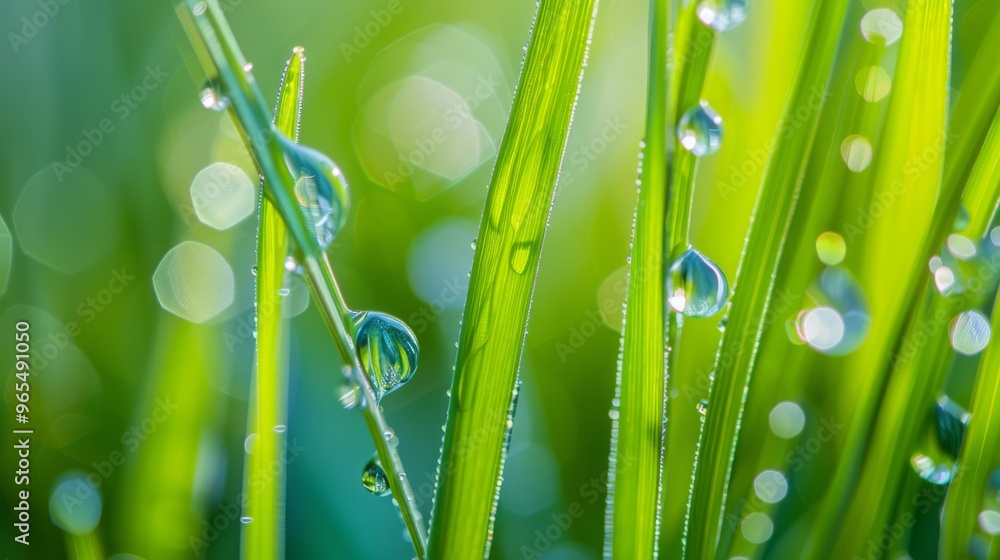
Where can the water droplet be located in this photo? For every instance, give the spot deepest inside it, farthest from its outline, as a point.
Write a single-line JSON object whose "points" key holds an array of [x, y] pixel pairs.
{"points": [[787, 419], [520, 254], [961, 218], [961, 247], [253, 270], [696, 286], [283, 292], [250, 443], [474, 243], [248, 67], [930, 470], [856, 152], [349, 395], [969, 332], [199, 8], [840, 322], [280, 428], [873, 83], [831, 248], [935, 263], [722, 325], [722, 15], [700, 130], [881, 25], [614, 414], [702, 407], [770, 486], [211, 99], [387, 349], [373, 477], [944, 280], [291, 265], [952, 421], [320, 188], [246, 520]]}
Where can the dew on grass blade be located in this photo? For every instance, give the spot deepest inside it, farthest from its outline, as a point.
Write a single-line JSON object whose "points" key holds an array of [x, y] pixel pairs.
{"points": [[75, 504], [373, 477], [320, 188], [969, 332], [722, 15], [246, 520], [387, 349], [696, 286], [250, 443], [787, 419], [881, 26], [952, 421], [700, 130], [702, 407], [520, 254], [930, 470], [212, 99], [944, 279]]}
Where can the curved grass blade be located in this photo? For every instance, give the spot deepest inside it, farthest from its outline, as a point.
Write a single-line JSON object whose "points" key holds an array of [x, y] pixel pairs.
{"points": [[503, 276], [207, 27], [752, 293], [263, 529]]}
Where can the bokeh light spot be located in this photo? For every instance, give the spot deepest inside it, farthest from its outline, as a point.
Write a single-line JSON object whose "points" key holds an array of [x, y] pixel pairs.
{"points": [[194, 282]]}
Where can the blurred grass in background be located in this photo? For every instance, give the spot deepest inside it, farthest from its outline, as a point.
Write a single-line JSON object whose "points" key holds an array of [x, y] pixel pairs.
{"points": [[105, 141]]}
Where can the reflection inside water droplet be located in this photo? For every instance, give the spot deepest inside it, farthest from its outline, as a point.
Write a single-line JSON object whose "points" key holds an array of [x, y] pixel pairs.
{"points": [[211, 99], [320, 188], [387, 350], [700, 130], [696, 286], [373, 477]]}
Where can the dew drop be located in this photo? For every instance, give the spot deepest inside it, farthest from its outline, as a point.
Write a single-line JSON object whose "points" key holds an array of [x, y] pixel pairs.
{"points": [[969, 332], [873, 83], [349, 395], [211, 99], [700, 130], [320, 188], [199, 8], [373, 477], [944, 280], [696, 286], [291, 265], [250, 443], [930, 470], [253, 270], [822, 328], [989, 522], [248, 67], [961, 247], [280, 428], [722, 15], [283, 292], [702, 407], [246, 520], [881, 26], [952, 421], [387, 349]]}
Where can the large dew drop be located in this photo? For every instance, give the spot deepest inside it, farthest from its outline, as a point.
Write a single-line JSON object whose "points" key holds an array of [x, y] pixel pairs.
{"points": [[387, 349], [212, 99], [969, 332], [722, 15], [320, 188], [696, 286], [700, 130], [952, 421], [373, 477]]}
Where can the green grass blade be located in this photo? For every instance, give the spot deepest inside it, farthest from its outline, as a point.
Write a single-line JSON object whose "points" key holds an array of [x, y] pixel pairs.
{"points": [[980, 193], [637, 443], [752, 292], [503, 277], [979, 456], [263, 536], [220, 54]]}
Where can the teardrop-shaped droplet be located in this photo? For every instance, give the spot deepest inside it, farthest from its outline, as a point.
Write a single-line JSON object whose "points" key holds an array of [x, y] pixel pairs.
{"points": [[387, 349], [952, 421], [320, 188], [969, 332], [212, 99], [722, 15], [373, 477], [700, 130], [696, 286], [253, 270]]}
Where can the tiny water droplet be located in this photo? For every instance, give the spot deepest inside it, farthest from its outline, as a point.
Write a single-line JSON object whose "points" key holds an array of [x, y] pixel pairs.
{"points": [[930, 470], [696, 286], [722, 325], [969, 332], [474, 243], [703, 407], [248, 67], [722, 15], [700, 130], [387, 349], [373, 477], [211, 99], [283, 292], [199, 8], [280, 428], [291, 265], [250, 443], [349, 395], [253, 270], [961, 247], [246, 520], [320, 188]]}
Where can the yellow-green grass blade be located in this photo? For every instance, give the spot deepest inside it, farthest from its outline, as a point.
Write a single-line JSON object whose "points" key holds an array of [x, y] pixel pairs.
{"points": [[970, 493], [263, 535], [637, 442], [979, 198], [503, 277], [752, 292]]}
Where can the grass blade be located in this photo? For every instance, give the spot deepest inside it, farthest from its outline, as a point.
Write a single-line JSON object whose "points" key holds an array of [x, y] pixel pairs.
{"points": [[263, 536], [752, 292], [503, 277]]}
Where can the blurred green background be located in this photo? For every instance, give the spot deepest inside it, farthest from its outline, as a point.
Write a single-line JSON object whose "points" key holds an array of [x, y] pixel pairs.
{"points": [[105, 143]]}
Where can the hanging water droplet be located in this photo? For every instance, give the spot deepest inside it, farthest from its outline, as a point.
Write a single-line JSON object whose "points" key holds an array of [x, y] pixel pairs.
{"points": [[253, 270], [320, 188], [211, 99], [930, 470], [696, 286], [970, 332], [248, 67], [373, 477], [881, 25], [722, 15], [474, 244], [387, 349], [722, 324], [700, 130], [702, 407], [952, 421]]}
